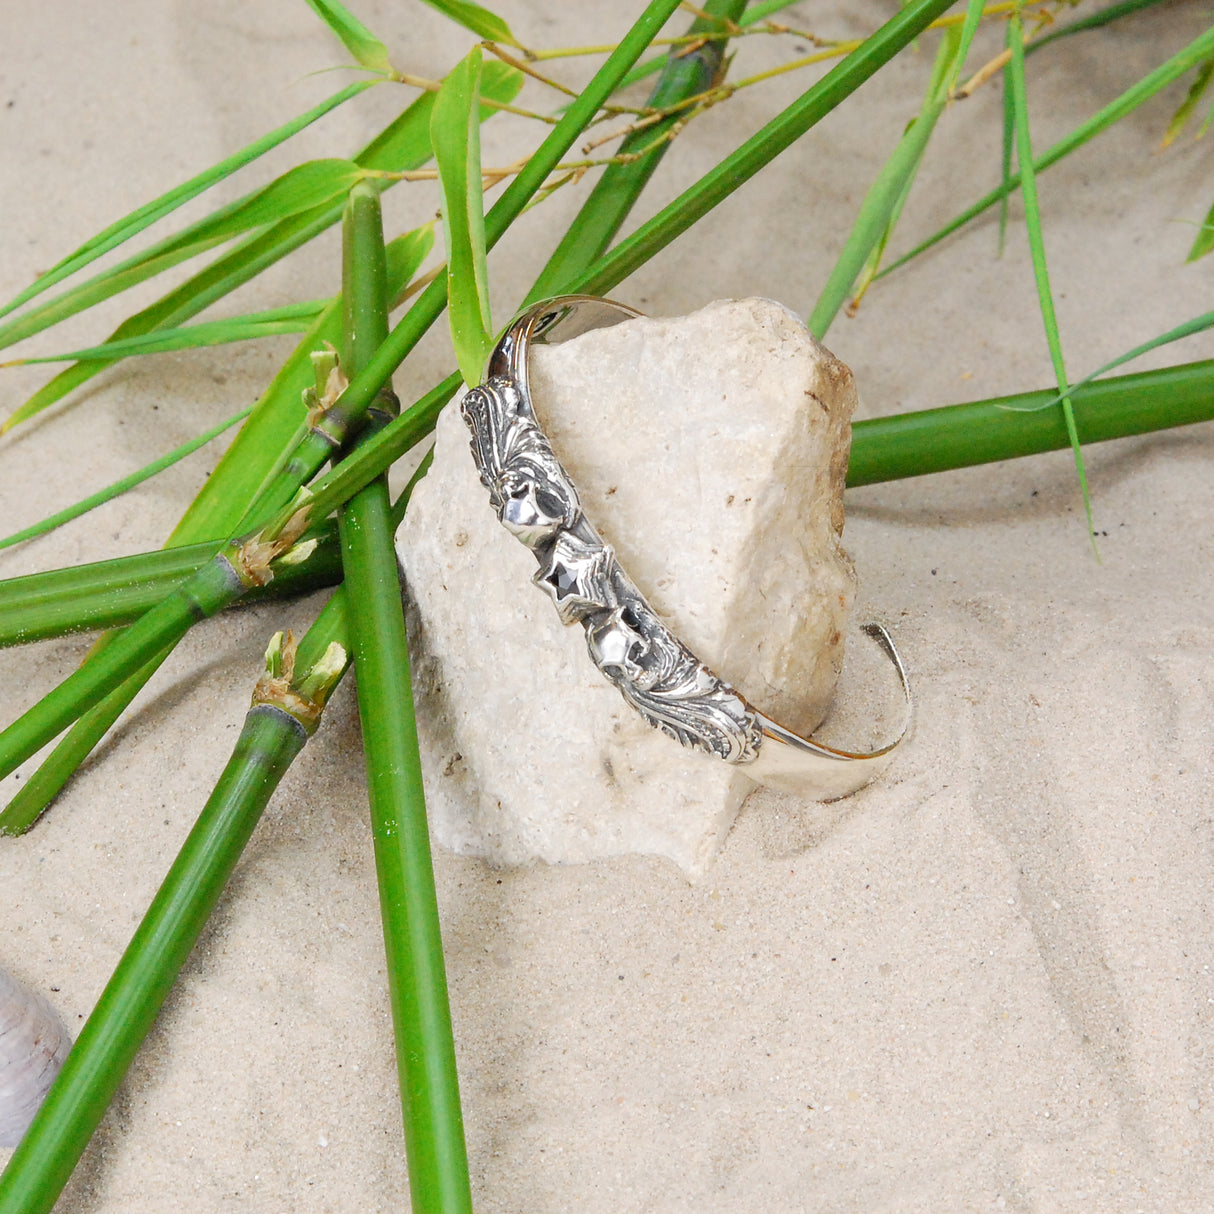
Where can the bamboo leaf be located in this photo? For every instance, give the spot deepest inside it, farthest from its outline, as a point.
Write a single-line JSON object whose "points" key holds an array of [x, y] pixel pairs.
{"points": [[455, 133], [1197, 90], [294, 318], [1199, 324], [1200, 49], [476, 18], [126, 483], [404, 144], [882, 206], [366, 48], [1205, 238], [300, 190], [1032, 219], [1115, 12], [141, 218]]}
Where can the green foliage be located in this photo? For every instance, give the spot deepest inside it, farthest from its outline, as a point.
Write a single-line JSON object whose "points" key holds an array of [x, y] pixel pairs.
{"points": [[879, 212], [143, 217], [126, 483], [403, 145], [455, 134], [1137, 94], [1032, 219], [477, 18], [294, 318], [366, 48]]}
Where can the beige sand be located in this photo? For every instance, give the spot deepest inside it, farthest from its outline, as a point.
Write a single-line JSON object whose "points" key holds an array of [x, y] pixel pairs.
{"points": [[983, 984]]}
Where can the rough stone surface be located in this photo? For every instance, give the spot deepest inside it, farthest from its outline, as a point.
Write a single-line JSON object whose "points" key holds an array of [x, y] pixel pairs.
{"points": [[710, 451]]}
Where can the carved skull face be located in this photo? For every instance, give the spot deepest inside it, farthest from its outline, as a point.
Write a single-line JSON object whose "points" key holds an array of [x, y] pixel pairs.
{"points": [[525, 512], [617, 645]]}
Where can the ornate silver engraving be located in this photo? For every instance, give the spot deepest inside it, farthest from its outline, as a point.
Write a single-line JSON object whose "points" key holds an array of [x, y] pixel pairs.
{"points": [[533, 497], [537, 502]]}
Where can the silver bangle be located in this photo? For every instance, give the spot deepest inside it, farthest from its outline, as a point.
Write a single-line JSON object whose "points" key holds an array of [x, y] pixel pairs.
{"points": [[654, 671]]}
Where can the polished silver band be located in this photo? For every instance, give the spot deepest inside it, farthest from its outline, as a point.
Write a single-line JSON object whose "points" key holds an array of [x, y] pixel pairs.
{"points": [[654, 671]]}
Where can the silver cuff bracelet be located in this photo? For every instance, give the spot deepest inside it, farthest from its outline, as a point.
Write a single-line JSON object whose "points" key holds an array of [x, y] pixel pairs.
{"points": [[654, 671]]}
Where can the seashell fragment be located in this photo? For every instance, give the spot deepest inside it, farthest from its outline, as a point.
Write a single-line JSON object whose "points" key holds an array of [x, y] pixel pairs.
{"points": [[33, 1045]]}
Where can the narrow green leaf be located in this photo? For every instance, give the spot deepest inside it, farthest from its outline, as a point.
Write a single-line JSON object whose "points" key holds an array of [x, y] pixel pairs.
{"points": [[476, 18], [1106, 16], [298, 191], [1205, 238], [1200, 49], [124, 484], [134, 223], [1199, 324], [1032, 219], [1197, 90], [404, 144], [294, 318], [882, 206], [455, 133], [366, 48], [764, 9]]}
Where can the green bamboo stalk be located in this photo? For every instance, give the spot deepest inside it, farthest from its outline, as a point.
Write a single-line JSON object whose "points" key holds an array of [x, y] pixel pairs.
{"points": [[421, 1015], [225, 503], [1009, 427], [274, 732], [684, 74], [739, 166], [107, 594]]}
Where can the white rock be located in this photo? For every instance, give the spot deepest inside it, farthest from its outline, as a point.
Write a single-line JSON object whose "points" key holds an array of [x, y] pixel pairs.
{"points": [[710, 450]]}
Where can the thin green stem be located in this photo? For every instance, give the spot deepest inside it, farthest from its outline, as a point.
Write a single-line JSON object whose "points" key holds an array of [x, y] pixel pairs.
{"points": [[124, 484], [1032, 220]]}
